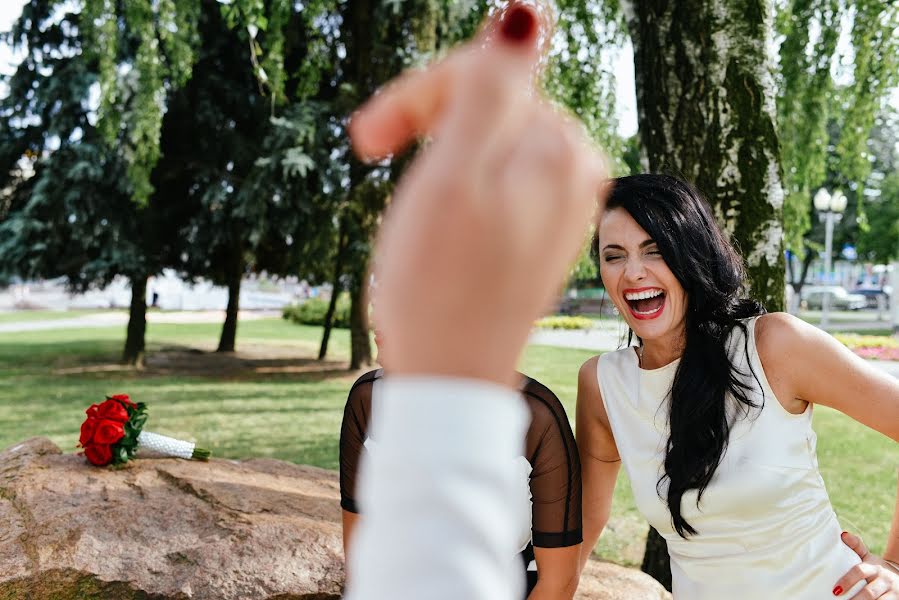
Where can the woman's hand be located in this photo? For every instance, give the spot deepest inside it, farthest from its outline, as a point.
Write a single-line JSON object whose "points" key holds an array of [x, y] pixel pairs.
{"points": [[882, 578], [484, 224]]}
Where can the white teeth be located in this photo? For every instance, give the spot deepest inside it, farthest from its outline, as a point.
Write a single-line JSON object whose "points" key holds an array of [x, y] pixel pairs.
{"points": [[644, 294]]}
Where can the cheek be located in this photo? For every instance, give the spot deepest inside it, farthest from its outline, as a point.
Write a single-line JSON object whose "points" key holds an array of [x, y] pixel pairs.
{"points": [[680, 302], [610, 280], [608, 276]]}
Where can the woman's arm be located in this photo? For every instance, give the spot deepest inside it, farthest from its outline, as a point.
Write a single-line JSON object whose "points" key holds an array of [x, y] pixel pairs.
{"points": [[350, 520], [599, 456], [804, 363], [558, 573], [556, 494]]}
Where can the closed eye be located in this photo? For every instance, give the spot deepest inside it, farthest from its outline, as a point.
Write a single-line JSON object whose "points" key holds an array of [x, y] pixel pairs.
{"points": [[612, 257]]}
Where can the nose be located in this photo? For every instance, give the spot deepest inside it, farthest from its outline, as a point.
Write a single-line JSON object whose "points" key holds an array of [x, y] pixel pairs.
{"points": [[635, 270]]}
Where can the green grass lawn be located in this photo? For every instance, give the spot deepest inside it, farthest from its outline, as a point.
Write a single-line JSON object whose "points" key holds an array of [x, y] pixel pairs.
{"points": [[272, 399]]}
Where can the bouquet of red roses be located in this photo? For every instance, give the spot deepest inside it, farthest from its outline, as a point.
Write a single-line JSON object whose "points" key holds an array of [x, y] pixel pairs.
{"points": [[113, 431]]}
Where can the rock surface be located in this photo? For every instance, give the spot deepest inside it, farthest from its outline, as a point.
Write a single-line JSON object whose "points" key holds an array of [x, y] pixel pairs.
{"points": [[166, 528], [169, 529], [608, 581]]}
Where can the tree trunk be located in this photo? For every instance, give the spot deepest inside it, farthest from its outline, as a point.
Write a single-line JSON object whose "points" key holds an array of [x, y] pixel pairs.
{"points": [[332, 306], [229, 329], [329, 319], [705, 99], [360, 339], [705, 102], [655, 559], [803, 275], [133, 354]]}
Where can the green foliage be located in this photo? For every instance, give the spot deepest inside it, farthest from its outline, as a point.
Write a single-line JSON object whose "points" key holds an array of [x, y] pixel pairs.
{"points": [[142, 48], [295, 177], [805, 98], [69, 208], [876, 45], [265, 22], [125, 449], [335, 55], [562, 322], [73, 218], [312, 312], [69, 211], [880, 243], [585, 267], [245, 194], [812, 95], [578, 79]]}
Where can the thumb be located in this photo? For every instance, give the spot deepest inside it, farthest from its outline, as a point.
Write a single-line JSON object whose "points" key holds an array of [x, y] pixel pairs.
{"points": [[856, 544]]}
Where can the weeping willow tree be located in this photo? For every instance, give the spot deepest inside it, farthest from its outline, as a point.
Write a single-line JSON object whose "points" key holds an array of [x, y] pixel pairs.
{"points": [[142, 48], [824, 88]]}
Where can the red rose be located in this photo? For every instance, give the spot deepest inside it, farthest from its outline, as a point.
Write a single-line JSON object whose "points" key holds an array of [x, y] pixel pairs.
{"points": [[124, 399], [87, 430], [108, 432], [112, 410], [98, 454], [92, 410]]}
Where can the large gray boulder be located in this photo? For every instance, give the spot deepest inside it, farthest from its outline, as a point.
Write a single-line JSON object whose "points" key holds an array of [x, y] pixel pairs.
{"points": [[169, 529], [166, 528]]}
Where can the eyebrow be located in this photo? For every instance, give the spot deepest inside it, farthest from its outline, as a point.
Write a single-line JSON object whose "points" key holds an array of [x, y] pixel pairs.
{"points": [[643, 244]]}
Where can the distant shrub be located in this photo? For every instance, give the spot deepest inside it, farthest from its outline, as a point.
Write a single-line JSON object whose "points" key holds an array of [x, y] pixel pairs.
{"points": [[564, 323], [312, 312]]}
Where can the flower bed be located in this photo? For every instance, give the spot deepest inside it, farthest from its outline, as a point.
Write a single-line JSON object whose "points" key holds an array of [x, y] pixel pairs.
{"points": [[879, 347], [564, 323]]}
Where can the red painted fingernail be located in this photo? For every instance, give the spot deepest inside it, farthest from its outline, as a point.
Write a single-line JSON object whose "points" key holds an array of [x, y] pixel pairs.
{"points": [[837, 591], [518, 24], [844, 533]]}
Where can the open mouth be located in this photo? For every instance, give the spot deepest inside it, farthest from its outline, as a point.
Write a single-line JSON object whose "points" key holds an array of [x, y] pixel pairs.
{"points": [[645, 303]]}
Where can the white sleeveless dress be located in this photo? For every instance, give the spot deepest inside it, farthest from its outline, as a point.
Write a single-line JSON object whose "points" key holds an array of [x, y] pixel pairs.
{"points": [[766, 528]]}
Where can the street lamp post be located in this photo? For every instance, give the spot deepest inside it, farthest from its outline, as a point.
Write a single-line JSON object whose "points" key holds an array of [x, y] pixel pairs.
{"points": [[830, 209]]}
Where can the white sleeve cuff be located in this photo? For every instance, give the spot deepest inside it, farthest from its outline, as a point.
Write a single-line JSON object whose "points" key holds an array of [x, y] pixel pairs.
{"points": [[438, 491]]}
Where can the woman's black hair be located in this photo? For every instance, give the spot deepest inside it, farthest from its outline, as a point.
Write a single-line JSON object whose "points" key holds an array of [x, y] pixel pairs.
{"points": [[678, 219]]}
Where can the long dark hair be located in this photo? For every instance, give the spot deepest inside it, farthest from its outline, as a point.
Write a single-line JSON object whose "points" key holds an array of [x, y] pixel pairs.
{"points": [[678, 219]]}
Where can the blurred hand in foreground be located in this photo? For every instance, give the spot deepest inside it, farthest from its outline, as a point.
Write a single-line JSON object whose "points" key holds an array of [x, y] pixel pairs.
{"points": [[485, 223]]}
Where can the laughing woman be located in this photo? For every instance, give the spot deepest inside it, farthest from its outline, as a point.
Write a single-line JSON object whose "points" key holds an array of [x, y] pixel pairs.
{"points": [[711, 413]]}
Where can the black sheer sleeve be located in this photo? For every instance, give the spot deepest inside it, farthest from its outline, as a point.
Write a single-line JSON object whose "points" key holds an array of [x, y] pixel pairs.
{"points": [[353, 433], [555, 470]]}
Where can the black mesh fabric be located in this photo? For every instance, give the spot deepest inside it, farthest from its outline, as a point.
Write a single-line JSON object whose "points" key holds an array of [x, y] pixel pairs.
{"points": [[550, 448], [555, 470], [353, 432]]}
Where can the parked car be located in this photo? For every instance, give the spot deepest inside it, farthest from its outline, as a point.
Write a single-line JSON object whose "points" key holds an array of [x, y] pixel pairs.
{"points": [[872, 295], [840, 299]]}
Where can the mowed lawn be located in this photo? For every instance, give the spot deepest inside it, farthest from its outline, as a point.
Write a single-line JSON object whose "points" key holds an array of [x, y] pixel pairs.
{"points": [[273, 399]]}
